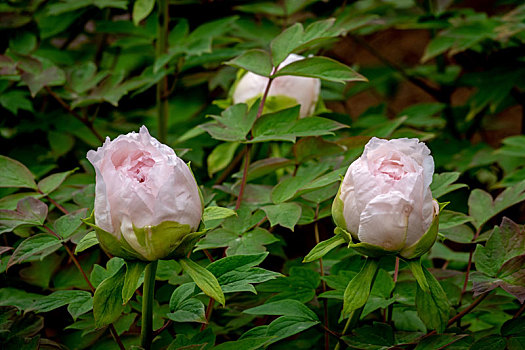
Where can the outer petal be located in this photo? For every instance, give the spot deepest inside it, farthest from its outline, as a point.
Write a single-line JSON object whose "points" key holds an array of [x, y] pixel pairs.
{"points": [[384, 222], [179, 199]]}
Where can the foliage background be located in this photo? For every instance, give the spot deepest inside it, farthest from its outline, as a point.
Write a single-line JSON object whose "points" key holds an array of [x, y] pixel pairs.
{"points": [[448, 72]]}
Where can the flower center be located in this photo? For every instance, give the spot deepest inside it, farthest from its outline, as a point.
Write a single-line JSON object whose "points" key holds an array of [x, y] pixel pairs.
{"points": [[393, 168], [135, 165]]}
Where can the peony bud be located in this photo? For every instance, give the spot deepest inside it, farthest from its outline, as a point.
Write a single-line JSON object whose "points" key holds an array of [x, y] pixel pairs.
{"points": [[385, 200], [285, 91], [147, 203]]}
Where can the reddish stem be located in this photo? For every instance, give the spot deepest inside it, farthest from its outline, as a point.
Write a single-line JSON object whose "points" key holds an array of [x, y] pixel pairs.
{"points": [[208, 314], [59, 207], [469, 266], [249, 147]]}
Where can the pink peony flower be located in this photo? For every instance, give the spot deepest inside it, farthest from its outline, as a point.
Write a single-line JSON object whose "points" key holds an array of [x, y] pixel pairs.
{"points": [[385, 198], [142, 188]]}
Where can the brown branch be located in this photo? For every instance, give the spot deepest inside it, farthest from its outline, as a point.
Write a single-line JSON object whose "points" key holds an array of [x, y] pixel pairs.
{"points": [[84, 121], [520, 311]]}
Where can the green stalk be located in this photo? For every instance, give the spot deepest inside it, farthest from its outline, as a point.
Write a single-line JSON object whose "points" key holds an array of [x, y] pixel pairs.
{"points": [[146, 331], [162, 85]]}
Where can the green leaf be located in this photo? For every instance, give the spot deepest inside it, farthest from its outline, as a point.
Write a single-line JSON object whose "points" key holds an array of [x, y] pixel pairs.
{"points": [[133, 279], [17, 297], [288, 187], [41, 244], [213, 214], [417, 271], [184, 308], [204, 279], [237, 273], [63, 297], [448, 219], [233, 124], [107, 301], [141, 10], [322, 68], [358, 290], [88, 241], [221, 157], [286, 326], [73, 5], [51, 183], [285, 43], [66, 225], [29, 211], [286, 307], [432, 308], [256, 61], [505, 242], [300, 285], [377, 336], [482, 208], [244, 344], [15, 174], [284, 214], [322, 248], [443, 184]]}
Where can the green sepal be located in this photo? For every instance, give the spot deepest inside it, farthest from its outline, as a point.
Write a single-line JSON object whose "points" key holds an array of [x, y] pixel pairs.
{"points": [[186, 245], [347, 236], [163, 241], [337, 210], [371, 250], [110, 244], [426, 241]]}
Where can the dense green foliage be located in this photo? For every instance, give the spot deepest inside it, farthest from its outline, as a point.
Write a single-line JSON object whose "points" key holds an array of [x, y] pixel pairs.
{"points": [[450, 73]]}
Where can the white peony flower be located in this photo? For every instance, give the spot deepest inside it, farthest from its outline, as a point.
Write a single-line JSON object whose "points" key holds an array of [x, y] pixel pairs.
{"points": [[305, 91]]}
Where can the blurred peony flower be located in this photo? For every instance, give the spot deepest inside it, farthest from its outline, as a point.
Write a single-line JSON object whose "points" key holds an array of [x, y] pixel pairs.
{"points": [[385, 200], [147, 203], [286, 90]]}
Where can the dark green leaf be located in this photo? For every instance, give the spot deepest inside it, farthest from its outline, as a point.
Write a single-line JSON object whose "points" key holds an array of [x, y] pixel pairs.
{"points": [[257, 61], [321, 67], [51, 183], [15, 174], [41, 244], [66, 225], [433, 307], [443, 184], [284, 214], [286, 307], [29, 211], [107, 301], [133, 279], [358, 290]]}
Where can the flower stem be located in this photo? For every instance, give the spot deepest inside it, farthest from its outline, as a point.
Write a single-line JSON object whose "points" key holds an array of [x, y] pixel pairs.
{"points": [[249, 146], [351, 323], [146, 332], [162, 85]]}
